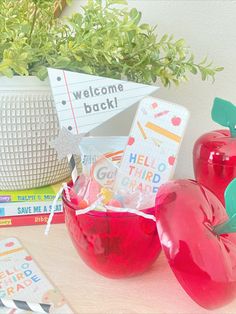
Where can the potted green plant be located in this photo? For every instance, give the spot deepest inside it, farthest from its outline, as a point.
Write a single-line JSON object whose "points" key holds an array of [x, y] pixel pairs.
{"points": [[105, 39]]}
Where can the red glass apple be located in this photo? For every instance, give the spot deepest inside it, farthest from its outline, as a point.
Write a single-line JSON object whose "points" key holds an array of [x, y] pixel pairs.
{"points": [[193, 229], [214, 159], [214, 153]]}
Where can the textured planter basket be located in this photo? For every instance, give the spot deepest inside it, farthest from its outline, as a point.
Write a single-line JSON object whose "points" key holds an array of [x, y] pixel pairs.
{"points": [[28, 121]]}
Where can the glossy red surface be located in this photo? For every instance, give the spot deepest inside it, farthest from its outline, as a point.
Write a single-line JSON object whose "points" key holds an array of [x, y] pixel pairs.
{"points": [[204, 263], [214, 159], [115, 245]]}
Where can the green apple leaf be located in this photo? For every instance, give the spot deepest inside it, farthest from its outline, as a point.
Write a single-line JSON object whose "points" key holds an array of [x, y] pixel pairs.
{"points": [[230, 199], [230, 204], [224, 113]]}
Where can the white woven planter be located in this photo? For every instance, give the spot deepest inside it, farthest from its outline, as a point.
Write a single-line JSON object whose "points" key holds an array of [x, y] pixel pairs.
{"points": [[28, 121]]}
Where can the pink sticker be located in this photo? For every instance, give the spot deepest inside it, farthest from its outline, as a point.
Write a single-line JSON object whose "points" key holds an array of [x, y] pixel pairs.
{"points": [[176, 121], [154, 105], [131, 141], [171, 160], [9, 244], [28, 258]]}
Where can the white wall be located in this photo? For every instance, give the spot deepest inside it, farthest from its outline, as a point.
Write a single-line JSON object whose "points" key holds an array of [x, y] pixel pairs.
{"points": [[209, 28]]}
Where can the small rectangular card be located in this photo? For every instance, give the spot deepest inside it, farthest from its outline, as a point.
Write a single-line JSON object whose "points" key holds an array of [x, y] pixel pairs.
{"points": [[21, 279], [154, 141]]}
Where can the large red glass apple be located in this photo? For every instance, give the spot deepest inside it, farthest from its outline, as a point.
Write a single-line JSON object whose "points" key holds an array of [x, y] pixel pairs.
{"points": [[214, 159], [214, 153], [193, 229]]}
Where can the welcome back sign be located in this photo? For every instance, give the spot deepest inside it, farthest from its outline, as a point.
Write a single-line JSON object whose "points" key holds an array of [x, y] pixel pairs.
{"points": [[84, 101]]}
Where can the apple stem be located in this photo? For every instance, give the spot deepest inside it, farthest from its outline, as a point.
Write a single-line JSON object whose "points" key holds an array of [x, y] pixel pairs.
{"points": [[232, 131], [230, 205]]}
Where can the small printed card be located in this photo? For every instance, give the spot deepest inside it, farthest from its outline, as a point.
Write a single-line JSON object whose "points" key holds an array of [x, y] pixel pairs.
{"points": [[153, 145], [84, 101], [21, 279]]}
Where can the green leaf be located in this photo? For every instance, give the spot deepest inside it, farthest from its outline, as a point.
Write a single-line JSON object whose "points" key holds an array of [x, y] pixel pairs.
{"points": [[203, 61], [106, 39], [180, 43], [135, 15], [164, 38], [192, 69], [224, 113], [118, 2], [230, 203], [41, 72], [230, 199], [203, 74], [77, 18], [87, 69], [62, 62], [219, 69], [20, 69], [145, 27], [6, 72]]}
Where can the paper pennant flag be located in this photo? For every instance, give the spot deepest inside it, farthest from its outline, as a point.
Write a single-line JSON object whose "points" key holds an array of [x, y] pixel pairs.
{"points": [[84, 101]]}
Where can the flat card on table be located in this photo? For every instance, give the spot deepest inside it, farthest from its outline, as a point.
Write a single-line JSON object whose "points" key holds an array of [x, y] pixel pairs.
{"points": [[22, 279], [150, 155], [84, 101]]}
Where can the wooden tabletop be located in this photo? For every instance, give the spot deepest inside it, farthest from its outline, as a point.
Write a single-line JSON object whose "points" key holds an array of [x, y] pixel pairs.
{"points": [[156, 291]]}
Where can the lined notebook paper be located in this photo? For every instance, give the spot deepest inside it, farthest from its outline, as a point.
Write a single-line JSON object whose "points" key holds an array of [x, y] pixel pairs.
{"points": [[84, 101]]}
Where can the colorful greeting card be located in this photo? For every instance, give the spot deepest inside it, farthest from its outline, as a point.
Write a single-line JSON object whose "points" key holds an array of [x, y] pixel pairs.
{"points": [[150, 156], [22, 279], [84, 101]]}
